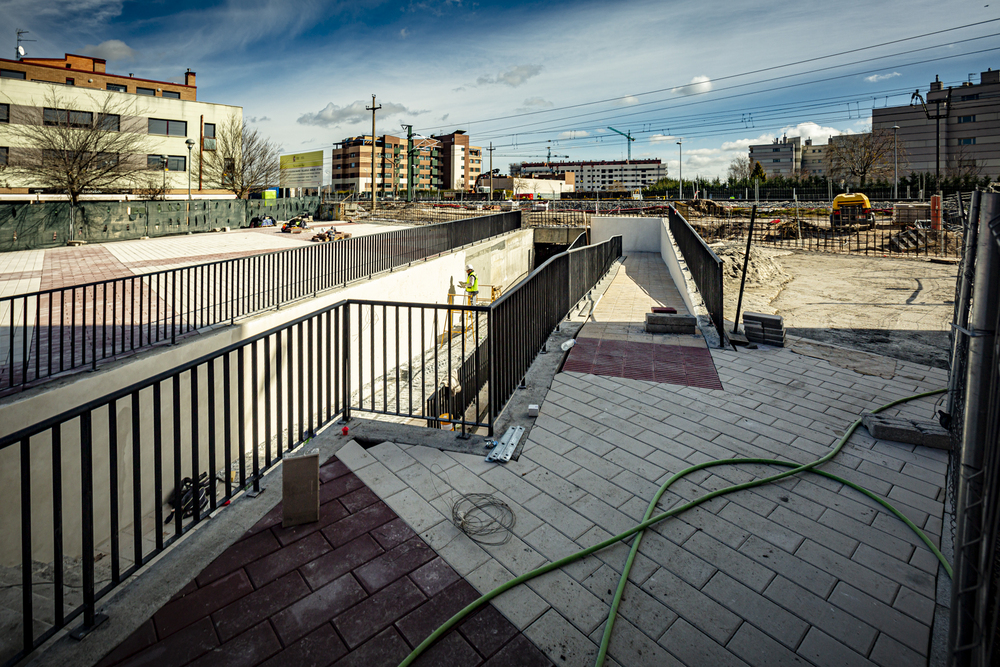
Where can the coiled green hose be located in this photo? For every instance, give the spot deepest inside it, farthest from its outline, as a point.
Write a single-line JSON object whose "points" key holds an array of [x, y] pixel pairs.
{"points": [[650, 520]]}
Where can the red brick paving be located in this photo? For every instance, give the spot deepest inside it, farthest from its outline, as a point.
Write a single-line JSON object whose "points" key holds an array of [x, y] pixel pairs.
{"points": [[653, 362], [359, 587]]}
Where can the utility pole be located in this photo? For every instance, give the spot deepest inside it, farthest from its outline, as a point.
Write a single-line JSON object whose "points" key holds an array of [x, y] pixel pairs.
{"points": [[680, 170], [409, 161], [373, 109], [491, 171]]}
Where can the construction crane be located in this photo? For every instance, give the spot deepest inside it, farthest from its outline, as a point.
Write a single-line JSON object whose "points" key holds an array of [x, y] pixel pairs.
{"points": [[629, 137]]}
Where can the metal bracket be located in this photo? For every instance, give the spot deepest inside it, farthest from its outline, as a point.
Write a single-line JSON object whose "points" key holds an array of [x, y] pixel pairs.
{"points": [[505, 447], [972, 334]]}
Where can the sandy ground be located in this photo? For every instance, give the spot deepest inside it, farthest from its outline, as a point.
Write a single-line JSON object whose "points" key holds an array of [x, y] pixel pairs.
{"points": [[892, 307]]}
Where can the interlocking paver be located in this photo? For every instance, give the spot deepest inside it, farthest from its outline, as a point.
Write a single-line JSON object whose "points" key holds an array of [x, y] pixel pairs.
{"points": [[877, 585], [896, 624], [748, 604], [693, 647]]}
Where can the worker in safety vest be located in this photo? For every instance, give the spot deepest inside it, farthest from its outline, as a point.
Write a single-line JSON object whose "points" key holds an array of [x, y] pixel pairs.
{"points": [[471, 284]]}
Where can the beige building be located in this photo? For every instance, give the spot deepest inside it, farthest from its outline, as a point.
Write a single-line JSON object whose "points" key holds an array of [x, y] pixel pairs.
{"points": [[46, 91], [526, 187], [603, 175]]}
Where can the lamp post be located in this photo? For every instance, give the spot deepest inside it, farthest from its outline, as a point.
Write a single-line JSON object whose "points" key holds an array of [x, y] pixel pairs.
{"points": [[680, 170], [895, 165], [163, 162], [190, 145]]}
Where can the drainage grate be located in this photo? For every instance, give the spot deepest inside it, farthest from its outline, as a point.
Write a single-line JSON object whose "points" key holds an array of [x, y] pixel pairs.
{"points": [[652, 362]]}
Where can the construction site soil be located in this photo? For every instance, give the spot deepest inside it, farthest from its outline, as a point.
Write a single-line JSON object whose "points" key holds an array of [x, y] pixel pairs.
{"points": [[899, 308]]}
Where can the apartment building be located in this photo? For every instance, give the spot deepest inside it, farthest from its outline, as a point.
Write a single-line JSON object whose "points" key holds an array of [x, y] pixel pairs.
{"points": [[814, 159], [953, 129], [45, 91], [460, 162], [594, 176], [782, 157]]}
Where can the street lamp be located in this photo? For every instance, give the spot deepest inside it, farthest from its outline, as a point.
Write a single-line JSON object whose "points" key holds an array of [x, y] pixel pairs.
{"points": [[895, 165], [680, 171], [190, 145], [163, 162]]}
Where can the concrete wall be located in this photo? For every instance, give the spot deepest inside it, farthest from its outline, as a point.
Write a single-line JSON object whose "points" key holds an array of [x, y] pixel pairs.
{"points": [[638, 234], [500, 261]]}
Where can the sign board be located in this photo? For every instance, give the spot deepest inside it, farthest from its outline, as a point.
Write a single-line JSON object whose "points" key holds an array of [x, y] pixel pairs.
{"points": [[302, 170]]}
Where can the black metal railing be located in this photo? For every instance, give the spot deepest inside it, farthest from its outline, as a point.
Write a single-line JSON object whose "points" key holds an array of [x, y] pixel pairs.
{"points": [[705, 267], [522, 319], [108, 485], [51, 331]]}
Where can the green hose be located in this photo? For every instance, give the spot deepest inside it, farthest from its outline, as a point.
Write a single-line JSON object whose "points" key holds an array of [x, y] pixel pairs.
{"points": [[649, 521]]}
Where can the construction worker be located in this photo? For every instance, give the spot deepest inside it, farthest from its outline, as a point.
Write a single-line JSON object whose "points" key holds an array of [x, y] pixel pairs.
{"points": [[471, 284]]}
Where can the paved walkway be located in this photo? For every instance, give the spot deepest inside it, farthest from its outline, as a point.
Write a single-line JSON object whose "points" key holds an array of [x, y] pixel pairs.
{"points": [[357, 588], [804, 571]]}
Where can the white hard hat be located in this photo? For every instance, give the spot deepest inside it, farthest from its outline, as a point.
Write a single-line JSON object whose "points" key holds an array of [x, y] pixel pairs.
{"points": [[468, 267]]}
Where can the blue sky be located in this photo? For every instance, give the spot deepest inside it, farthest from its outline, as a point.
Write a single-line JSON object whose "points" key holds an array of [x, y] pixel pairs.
{"points": [[527, 75]]}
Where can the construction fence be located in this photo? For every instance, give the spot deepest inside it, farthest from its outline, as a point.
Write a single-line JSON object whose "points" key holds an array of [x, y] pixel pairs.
{"points": [[27, 226]]}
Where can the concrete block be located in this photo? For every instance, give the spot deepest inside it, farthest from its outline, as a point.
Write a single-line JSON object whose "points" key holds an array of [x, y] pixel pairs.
{"points": [[670, 323], [300, 490], [767, 321], [909, 431]]}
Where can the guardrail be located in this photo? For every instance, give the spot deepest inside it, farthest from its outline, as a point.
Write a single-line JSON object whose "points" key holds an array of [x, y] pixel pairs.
{"points": [[49, 332], [705, 267], [93, 502]]}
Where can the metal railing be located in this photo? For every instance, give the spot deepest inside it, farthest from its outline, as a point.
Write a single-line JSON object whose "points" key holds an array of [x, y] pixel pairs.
{"points": [[522, 319], [97, 481], [705, 267], [48, 332]]}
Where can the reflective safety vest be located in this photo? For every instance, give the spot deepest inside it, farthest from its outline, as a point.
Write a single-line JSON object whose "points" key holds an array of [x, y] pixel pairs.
{"points": [[472, 283]]}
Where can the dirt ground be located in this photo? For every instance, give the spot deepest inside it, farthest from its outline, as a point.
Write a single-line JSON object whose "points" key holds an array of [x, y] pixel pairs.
{"points": [[893, 307]]}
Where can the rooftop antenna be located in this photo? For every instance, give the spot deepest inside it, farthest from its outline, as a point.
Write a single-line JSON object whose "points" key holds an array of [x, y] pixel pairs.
{"points": [[19, 51]]}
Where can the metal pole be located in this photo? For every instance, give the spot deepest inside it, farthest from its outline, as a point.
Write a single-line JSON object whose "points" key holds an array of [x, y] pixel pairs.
{"points": [[680, 171], [746, 261], [491, 171], [373, 109], [895, 164], [189, 143]]}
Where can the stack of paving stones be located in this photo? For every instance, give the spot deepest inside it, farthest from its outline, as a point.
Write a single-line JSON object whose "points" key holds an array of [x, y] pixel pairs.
{"points": [[764, 329], [359, 587]]}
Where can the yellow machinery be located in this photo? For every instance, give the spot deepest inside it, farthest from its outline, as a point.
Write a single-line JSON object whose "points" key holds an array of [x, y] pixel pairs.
{"points": [[462, 322], [852, 209]]}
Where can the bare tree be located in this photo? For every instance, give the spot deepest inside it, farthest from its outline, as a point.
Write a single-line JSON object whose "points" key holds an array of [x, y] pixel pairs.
{"points": [[740, 169], [859, 157], [74, 151], [243, 161], [962, 165]]}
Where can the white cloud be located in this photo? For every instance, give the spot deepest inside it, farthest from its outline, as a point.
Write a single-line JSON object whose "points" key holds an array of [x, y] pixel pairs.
{"points": [[875, 78], [258, 119], [699, 84], [627, 101], [111, 50], [573, 134], [809, 130], [513, 77], [404, 33], [444, 117], [538, 102], [661, 138], [351, 114]]}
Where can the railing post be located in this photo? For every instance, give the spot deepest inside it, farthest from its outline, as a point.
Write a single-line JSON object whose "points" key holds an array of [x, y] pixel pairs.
{"points": [[91, 619], [345, 357]]}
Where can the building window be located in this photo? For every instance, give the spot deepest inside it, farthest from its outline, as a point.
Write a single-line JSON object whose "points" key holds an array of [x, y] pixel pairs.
{"points": [[70, 82], [966, 119], [969, 98], [145, 91], [171, 95], [12, 74], [210, 130], [172, 128], [4, 155], [970, 141], [4, 113], [109, 122], [776, 160], [117, 87], [174, 162], [56, 117]]}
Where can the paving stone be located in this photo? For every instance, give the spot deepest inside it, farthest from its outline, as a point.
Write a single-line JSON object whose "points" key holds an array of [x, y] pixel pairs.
{"points": [[915, 500], [417, 512], [434, 577], [332, 469], [749, 604], [393, 564], [515, 555], [259, 605], [281, 562], [590, 482], [245, 650], [319, 648], [638, 606], [422, 480], [240, 554], [629, 646], [602, 514], [890, 653], [869, 535], [520, 605], [372, 614], [756, 648], [735, 564], [317, 608], [393, 533], [179, 648], [732, 534], [759, 526], [511, 484], [338, 487], [543, 438], [678, 560], [615, 555], [792, 567], [691, 604], [455, 547], [562, 466], [553, 545], [568, 522], [328, 513], [385, 648], [518, 652], [817, 612], [880, 587], [182, 612], [487, 630], [370, 518], [354, 456], [693, 647], [571, 599], [357, 500], [806, 527], [563, 490], [898, 570], [562, 642], [452, 650], [340, 561], [896, 624], [391, 456], [381, 480], [916, 605], [420, 623]]}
